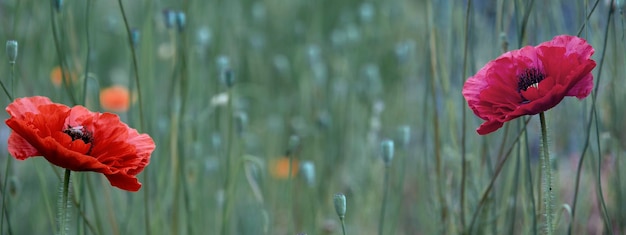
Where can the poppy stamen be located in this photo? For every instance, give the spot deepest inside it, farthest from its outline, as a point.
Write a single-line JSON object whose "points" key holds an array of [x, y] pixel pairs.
{"points": [[529, 78], [79, 133]]}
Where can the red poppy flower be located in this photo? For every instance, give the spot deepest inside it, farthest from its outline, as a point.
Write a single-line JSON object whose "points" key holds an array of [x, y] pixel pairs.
{"points": [[530, 80], [79, 140]]}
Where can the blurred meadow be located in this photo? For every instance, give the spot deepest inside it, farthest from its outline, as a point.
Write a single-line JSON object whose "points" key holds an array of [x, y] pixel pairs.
{"points": [[234, 92]]}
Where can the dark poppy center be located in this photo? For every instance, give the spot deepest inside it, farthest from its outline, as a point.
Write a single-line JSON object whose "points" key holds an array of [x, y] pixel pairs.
{"points": [[530, 77], [79, 133]]}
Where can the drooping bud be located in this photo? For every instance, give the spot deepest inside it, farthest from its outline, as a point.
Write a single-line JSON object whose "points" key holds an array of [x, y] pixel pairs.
{"points": [[12, 51], [340, 205], [386, 148]]}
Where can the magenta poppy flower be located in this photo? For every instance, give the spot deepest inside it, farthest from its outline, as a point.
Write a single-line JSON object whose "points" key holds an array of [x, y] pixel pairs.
{"points": [[530, 80]]}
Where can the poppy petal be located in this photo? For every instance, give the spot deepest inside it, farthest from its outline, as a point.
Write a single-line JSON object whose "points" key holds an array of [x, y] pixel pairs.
{"points": [[20, 148]]}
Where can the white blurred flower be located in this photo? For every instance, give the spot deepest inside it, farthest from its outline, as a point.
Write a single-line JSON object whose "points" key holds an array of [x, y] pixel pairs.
{"points": [[220, 99]]}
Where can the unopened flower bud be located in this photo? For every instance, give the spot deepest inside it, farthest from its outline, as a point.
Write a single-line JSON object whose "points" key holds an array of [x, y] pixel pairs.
{"points": [[181, 20], [228, 77], [169, 18], [241, 121], [57, 4], [307, 169], [294, 143], [12, 51], [386, 148], [340, 205], [135, 36], [404, 135]]}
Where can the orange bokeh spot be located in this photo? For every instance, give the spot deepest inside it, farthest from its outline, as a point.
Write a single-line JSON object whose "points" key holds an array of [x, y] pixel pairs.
{"points": [[115, 98], [279, 168], [56, 76]]}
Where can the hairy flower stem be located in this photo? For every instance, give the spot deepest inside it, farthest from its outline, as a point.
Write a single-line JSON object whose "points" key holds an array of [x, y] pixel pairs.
{"points": [[63, 228], [383, 208], [547, 176]]}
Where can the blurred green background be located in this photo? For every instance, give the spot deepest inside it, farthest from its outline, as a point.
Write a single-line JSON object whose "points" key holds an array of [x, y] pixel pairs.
{"points": [[320, 82]]}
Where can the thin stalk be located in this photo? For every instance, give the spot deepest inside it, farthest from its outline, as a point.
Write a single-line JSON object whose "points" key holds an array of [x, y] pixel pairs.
{"points": [[464, 121], [531, 194], [515, 190], [88, 41], [146, 183], [7, 168], [437, 147], [547, 176], [60, 55], [92, 197], [343, 226], [229, 171], [582, 27], [605, 213], [383, 208], [590, 122], [63, 229], [290, 191], [184, 87], [485, 194]]}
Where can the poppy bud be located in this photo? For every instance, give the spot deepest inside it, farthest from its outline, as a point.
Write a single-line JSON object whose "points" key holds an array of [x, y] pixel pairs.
{"points": [[135, 36], [181, 20], [57, 4], [294, 143], [308, 172], [12, 51], [169, 18], [228, 77], [404, 135], [340, 205], [386, 148], [241, 120]]}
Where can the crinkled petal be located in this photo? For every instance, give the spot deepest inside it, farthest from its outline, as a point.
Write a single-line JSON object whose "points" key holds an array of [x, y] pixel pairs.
{"points": [[20, 148], [102, 144], [494, 94]]}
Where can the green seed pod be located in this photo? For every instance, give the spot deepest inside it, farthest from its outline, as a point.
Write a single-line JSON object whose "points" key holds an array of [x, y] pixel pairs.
{"points": [[386, 148], [340, 205], [12, 51]]}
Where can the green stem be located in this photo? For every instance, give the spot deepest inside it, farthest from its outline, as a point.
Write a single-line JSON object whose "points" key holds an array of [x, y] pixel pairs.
{"points": [[87, 14], [592, 115], [8, 164], [343, 226], [228, 183], [141, 122], [464, 120], [63, 209], [530, 187], [483, 198], [67, 83], [547, 176], [383, 208]]}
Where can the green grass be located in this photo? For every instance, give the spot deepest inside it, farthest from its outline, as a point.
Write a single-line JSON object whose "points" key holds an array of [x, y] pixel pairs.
{"points": [[342, 76]]}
